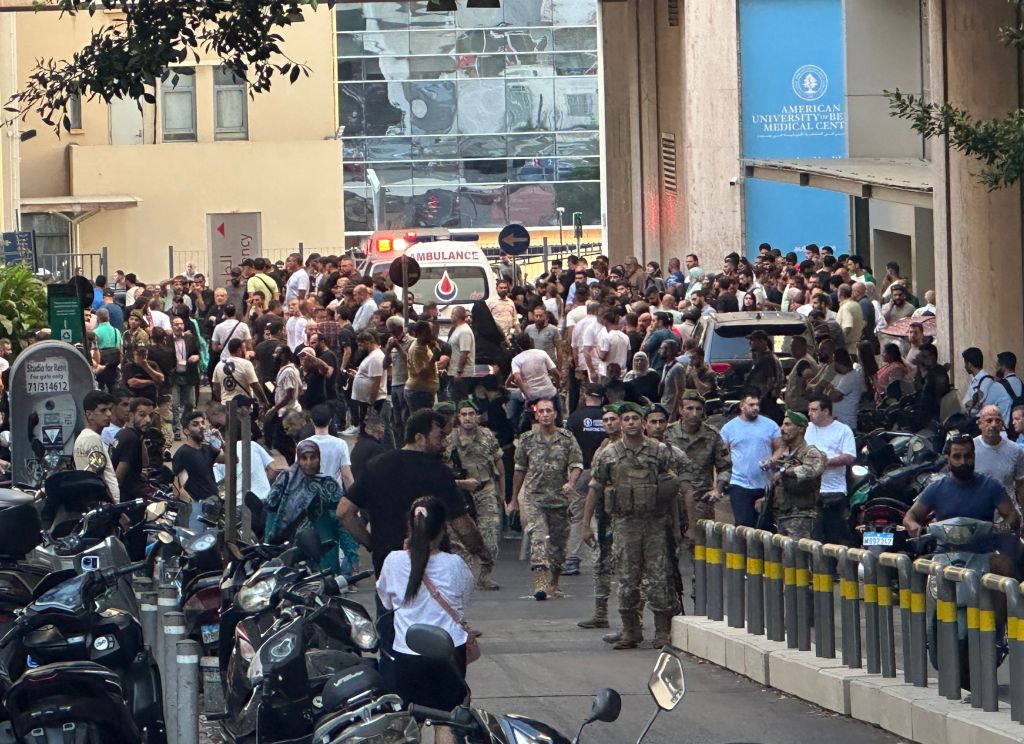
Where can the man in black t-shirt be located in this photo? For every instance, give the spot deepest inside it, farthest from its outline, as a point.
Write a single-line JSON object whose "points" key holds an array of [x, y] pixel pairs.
{"points": [[586, 425], [129, 456], [391, 482], [142, 376], [266, 361], [195, 458]]}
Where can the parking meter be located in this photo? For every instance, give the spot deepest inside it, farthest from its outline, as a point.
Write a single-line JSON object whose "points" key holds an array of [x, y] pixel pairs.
{"points": [[47, 384]]}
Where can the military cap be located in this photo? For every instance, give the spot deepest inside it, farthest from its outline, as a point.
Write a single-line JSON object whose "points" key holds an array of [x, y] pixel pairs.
{"points": [[693, 395], [445, 408], [627, 407], [656, 408], [615, 408], [798, 418], [467, 403]]}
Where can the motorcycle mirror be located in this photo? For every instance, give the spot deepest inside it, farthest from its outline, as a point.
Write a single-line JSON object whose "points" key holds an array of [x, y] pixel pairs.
{"points": [[308, 541], [165, 537], [859, 471], [156, 510], [667, 685], [429, 641], [606, 706]]}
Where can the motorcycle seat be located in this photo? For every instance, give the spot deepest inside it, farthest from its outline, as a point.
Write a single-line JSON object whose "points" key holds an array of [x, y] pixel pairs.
{"points": [[71, 692]]}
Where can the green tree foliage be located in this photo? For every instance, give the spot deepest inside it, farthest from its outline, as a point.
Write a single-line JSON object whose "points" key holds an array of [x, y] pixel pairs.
{"points": [[997, 143], [23, 308], [125, 57]]}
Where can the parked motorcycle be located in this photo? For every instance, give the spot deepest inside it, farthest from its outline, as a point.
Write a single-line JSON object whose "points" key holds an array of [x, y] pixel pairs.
{"points": [[76, 674], [878, 509], [477, 726]]}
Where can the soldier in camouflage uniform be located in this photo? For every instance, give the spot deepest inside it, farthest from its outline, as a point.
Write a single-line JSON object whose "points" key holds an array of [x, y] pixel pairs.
{"points": [[475, 455], [796, 481], [636, 477], [656, 427], [548, 463], [603, 565], [135, 336], [708, 465]]}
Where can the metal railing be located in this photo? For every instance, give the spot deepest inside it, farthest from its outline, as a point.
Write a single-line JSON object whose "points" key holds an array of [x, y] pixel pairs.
{"points": [[784, 589]]}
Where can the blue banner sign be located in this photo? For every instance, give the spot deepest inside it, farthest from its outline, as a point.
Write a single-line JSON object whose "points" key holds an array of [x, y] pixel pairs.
{"points": [[793, 82]]}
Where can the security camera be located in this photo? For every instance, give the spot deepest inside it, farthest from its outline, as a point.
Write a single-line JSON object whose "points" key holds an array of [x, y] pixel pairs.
{"points": [[733, 181]]}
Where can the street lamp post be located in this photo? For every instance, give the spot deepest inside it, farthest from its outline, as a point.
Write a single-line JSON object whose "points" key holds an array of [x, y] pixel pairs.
{"points": [[561, 242]]}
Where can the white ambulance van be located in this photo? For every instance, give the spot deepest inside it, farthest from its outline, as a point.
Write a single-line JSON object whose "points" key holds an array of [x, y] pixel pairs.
{"points": [[454, 271]]}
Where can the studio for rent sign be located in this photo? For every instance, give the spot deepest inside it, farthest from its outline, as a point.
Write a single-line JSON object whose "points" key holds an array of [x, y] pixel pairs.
{"points": [[793, 84]]}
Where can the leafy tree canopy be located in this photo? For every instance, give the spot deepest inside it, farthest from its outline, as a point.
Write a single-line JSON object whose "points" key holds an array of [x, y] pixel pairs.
{"points": [[997, 143], [126, 56]]}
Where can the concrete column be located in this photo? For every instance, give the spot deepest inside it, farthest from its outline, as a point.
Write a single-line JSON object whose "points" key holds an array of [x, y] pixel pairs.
{"points": [[978, 264], [622, 138]]}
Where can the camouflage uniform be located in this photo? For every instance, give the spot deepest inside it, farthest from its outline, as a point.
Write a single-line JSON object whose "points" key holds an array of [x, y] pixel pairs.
{"points": [[604, 565], [796, 494], [477, 457], [633, 482], [132, 340], [544, 507], [707, 459]]}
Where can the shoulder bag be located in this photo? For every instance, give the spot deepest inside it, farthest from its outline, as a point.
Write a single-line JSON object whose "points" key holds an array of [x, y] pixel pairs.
{"points": [[472, 645]]}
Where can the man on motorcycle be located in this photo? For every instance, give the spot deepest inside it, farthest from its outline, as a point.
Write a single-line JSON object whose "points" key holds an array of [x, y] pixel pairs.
{"points": [[965, 493]]}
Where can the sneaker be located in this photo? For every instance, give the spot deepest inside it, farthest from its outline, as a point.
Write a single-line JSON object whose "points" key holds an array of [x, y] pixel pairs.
{"points": [[350, 431]]}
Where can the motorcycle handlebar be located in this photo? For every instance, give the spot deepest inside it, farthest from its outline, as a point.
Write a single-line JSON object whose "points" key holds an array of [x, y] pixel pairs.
{"points": [[433, 714], [357, 577]]}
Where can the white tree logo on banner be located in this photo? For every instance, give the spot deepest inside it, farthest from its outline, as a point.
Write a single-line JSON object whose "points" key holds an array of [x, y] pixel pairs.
{"points": [[810, 82]]}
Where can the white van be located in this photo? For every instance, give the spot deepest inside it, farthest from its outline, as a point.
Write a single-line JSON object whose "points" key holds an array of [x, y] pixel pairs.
{"points": [[453, 273]]}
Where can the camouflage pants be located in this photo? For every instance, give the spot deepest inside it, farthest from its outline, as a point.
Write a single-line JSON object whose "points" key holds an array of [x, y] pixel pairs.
{"points": [[643, 556], [795, 524], [549, 533], [604, 567], [488, 518], [688, 521]]}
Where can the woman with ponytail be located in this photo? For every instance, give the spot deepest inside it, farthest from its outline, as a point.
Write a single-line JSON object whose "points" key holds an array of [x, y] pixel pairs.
{"points": [[422, 584]]}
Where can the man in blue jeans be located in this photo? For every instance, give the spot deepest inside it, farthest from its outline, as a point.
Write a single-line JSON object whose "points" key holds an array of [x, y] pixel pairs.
{"points": [[752, 438]]}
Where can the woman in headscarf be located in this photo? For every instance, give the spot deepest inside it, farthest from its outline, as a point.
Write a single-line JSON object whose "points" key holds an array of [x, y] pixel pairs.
{"points": [[696, 276], [301, 498], [642, 381]]}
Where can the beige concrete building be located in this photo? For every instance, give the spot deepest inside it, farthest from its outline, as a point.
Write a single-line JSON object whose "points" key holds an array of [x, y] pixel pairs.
{"points": [[206, 169]]}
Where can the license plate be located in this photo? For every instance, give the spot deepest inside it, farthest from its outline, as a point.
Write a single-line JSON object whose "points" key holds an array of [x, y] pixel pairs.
{"points": [[211, 633], [878, 538]]}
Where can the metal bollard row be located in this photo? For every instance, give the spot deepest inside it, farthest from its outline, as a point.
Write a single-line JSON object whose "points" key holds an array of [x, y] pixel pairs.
{"points": [[783, 588]]}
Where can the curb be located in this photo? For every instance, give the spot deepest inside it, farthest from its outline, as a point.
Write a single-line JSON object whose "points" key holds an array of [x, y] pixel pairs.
{"points": [[914, 713]]}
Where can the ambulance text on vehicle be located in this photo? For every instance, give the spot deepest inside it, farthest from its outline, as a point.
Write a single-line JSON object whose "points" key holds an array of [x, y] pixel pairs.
{"points": [[452, 272]]}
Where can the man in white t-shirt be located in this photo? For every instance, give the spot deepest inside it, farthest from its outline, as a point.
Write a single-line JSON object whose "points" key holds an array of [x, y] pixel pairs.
{"points": [[463, 362], [613, 345], [235, 375], [998, 457], [89, 445], [335, 460], [845, 389], [229, 328], [534, 373], [370, 385], [298, 279], [836, 440], [752, 438]]}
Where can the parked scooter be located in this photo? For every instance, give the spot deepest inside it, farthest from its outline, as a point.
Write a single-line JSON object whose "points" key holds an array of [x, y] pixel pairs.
{"points": [[75, 674], [477, 726]]}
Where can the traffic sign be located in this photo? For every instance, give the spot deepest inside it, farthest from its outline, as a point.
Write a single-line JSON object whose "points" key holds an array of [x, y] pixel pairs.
{"points": [[514, 240], [20, 247], [404, 271], [65, 313]]}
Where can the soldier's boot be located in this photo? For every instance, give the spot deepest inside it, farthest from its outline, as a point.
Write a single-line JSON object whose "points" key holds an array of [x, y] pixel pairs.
{"points": [[614, 637], [541, 579], [600, 618], [662, 629], [553, 591], [485, 582], [631, 635]]}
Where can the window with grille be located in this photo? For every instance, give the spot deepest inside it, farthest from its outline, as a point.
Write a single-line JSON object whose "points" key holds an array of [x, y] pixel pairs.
{"points": [[669, 182], [230, 98], [178, 104]]}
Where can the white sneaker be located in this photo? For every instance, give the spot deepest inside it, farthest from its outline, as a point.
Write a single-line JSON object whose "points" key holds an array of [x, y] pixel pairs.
{"points": [[350, 431]]}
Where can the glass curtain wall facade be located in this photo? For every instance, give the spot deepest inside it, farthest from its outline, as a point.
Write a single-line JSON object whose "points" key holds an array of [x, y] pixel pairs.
{"points": [[469, 119]]}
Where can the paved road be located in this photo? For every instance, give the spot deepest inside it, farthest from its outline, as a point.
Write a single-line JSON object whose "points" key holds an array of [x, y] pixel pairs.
{"points": [[538, 663]]}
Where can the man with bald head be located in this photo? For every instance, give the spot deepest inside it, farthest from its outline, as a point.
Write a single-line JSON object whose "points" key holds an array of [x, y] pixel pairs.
{"points": [[998, 457]]}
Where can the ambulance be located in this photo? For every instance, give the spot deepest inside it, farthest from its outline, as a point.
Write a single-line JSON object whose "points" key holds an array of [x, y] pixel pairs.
{"points": [[454, 271]]}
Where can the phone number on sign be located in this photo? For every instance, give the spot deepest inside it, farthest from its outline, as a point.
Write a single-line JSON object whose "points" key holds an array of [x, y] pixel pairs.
{"points": [[55, 386]]}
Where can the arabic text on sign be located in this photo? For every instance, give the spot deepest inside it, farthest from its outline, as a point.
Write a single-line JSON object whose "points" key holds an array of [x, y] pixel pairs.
{"points": [[48, 375]]}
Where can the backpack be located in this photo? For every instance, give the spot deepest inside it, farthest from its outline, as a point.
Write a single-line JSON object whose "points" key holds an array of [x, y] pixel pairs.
{"points": [[1015, 400]]}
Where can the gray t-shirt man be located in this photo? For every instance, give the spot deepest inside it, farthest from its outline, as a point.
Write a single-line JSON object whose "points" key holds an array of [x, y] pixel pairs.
{"points": [[1003, 462], [546, 339]]}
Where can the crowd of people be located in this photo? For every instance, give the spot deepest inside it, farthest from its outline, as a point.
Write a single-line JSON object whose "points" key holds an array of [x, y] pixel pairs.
{"points": [[572, 407]]}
